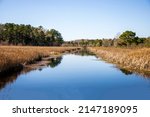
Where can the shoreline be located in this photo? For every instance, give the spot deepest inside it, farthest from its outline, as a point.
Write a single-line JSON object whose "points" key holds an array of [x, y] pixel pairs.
{"points": [[137, 61], [116, 56], [33, 63]]}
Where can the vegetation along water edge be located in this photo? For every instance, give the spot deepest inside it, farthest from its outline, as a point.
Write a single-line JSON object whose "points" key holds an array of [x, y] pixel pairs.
{"points": [[13, 58], [137, 59]]}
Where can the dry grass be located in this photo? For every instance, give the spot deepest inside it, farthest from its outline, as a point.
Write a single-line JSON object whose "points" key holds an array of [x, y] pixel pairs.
{"points": [[136, 58], [11, 56]]}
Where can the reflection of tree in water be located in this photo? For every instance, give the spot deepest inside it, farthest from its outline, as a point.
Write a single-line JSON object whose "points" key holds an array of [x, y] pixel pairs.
{"points": [[84, 52], [126, 72], [53, 62]]}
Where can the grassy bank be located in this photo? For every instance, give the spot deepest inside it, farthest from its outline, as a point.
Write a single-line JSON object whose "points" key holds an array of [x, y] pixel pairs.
{"points": [[136, 58], [14, 56]]}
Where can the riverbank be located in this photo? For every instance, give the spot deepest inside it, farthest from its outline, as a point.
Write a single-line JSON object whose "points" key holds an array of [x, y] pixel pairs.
{"points": [[135, 59], [14, 58]]}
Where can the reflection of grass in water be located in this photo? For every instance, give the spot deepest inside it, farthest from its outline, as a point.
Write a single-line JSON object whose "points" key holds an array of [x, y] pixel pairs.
{"points": [[136, 59], [7, 78], [131, 71], [11, 56], [126, 72]]}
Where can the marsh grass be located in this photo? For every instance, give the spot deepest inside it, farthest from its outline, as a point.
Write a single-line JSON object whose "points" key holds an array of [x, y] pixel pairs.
{"points": [[131, 58], [13, 56]]}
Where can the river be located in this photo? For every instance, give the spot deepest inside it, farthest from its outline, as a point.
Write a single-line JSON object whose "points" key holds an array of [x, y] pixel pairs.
{"points": [[75, 77]]}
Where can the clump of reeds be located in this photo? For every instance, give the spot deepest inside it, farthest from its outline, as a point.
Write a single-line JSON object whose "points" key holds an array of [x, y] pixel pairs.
{"points": [[135, 58], [12, 56]]}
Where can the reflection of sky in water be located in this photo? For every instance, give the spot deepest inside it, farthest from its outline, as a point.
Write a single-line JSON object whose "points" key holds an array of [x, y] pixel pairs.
{"points": [[79, 77]]}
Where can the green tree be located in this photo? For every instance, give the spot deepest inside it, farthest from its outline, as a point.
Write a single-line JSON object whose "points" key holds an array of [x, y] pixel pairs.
{"points": [[1, 32], [56, 37], [127, 38], [15, 34]]}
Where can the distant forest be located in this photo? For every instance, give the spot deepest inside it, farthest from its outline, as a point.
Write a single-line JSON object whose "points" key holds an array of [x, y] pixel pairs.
{"points": [[14, 34], [126, 39]]}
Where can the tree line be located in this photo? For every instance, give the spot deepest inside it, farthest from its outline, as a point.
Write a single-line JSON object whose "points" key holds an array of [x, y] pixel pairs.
{"points": [[126, 39], [15, 34]]}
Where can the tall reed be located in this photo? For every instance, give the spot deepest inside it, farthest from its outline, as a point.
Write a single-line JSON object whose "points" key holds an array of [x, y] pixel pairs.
{"points": [[135, 58], [11, 56]]}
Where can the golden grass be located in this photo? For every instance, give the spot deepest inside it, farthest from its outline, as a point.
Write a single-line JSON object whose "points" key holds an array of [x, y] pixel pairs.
{"points": [[11, 56], [135, 58]]}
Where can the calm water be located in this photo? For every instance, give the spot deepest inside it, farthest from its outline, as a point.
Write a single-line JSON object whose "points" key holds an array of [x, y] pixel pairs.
{"points": [[76, 77]]}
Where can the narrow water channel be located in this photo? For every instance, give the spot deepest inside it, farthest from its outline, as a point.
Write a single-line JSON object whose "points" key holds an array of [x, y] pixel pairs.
{"points": [[75, 77]]}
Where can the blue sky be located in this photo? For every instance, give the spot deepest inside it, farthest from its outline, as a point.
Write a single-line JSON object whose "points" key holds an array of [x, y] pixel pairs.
{"points": [[77, 19]]}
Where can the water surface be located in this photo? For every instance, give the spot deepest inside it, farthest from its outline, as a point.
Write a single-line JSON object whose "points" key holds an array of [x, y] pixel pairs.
{"points": [[76, 77]]}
